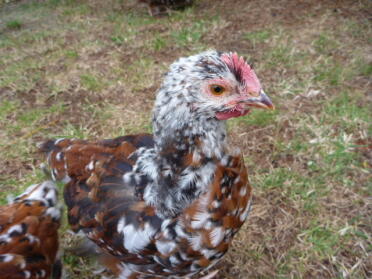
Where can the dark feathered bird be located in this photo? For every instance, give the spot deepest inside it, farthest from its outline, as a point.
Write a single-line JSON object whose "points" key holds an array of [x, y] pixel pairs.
{"points": [[28, 234], [159, 7], [167, 204]]}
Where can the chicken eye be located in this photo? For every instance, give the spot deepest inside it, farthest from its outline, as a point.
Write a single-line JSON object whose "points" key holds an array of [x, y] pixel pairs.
{"points": [[217, 89]]}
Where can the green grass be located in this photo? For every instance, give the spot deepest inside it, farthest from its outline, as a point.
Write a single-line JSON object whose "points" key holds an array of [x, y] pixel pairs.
{"points": [[346, 106], [259, 36], [119, 39], [91, 82], [330, 73], [191, 34], [364, 68], [72, 54], [325, 44], [7, 107], [14, 24], [159, 43], [258, 118], [323, 240]]}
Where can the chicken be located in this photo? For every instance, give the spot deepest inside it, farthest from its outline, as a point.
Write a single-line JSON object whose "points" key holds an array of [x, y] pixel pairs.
{"points": [[29, 234], [161, 7], [169, 204]]}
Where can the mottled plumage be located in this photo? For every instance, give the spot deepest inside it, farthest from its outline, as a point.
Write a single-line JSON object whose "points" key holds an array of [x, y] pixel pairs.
{"points": [[160, 7], [28, 234], [169, 204]]}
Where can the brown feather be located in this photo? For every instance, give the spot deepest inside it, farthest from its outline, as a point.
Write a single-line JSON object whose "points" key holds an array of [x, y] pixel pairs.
{"points": [[29, 235]]}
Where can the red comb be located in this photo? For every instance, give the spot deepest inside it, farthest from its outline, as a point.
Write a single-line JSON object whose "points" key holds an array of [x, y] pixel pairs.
{"points": [[242, 70]]}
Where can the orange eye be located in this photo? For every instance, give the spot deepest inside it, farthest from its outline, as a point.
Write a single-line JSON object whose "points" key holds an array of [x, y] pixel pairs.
{"points": [[217, 89]]}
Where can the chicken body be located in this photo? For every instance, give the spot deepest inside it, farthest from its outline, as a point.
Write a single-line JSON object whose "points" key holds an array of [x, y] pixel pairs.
{"points": [[28, 234], [167, 205]]}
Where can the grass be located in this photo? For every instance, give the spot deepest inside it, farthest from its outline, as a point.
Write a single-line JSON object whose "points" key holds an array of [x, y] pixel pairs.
{"points": [[88, 69], [91, 82], [257, 118], [14, 24], [325, 44], [258, 36], [189, 34]]}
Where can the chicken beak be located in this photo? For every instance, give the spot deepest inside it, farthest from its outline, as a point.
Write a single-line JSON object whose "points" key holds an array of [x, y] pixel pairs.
{"points": [[262, 101]]}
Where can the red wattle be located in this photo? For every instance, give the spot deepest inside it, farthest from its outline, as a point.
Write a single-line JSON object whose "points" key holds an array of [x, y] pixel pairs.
{"points": [[237, 112]]}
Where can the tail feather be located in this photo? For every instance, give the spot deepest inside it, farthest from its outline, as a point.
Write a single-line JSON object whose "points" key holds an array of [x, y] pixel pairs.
{"points": [[64, 158], [75, 159]]}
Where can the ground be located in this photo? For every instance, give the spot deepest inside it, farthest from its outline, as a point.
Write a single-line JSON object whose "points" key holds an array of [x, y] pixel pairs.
{"points": [[90, 69]]}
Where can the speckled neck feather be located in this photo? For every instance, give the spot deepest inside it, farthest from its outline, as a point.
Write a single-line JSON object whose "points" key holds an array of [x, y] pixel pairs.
{"points": [[184, 127], [181, 116]]}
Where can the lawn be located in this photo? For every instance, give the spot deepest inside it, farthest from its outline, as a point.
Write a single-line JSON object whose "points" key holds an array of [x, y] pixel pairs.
{"points": [[90, 69]]}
